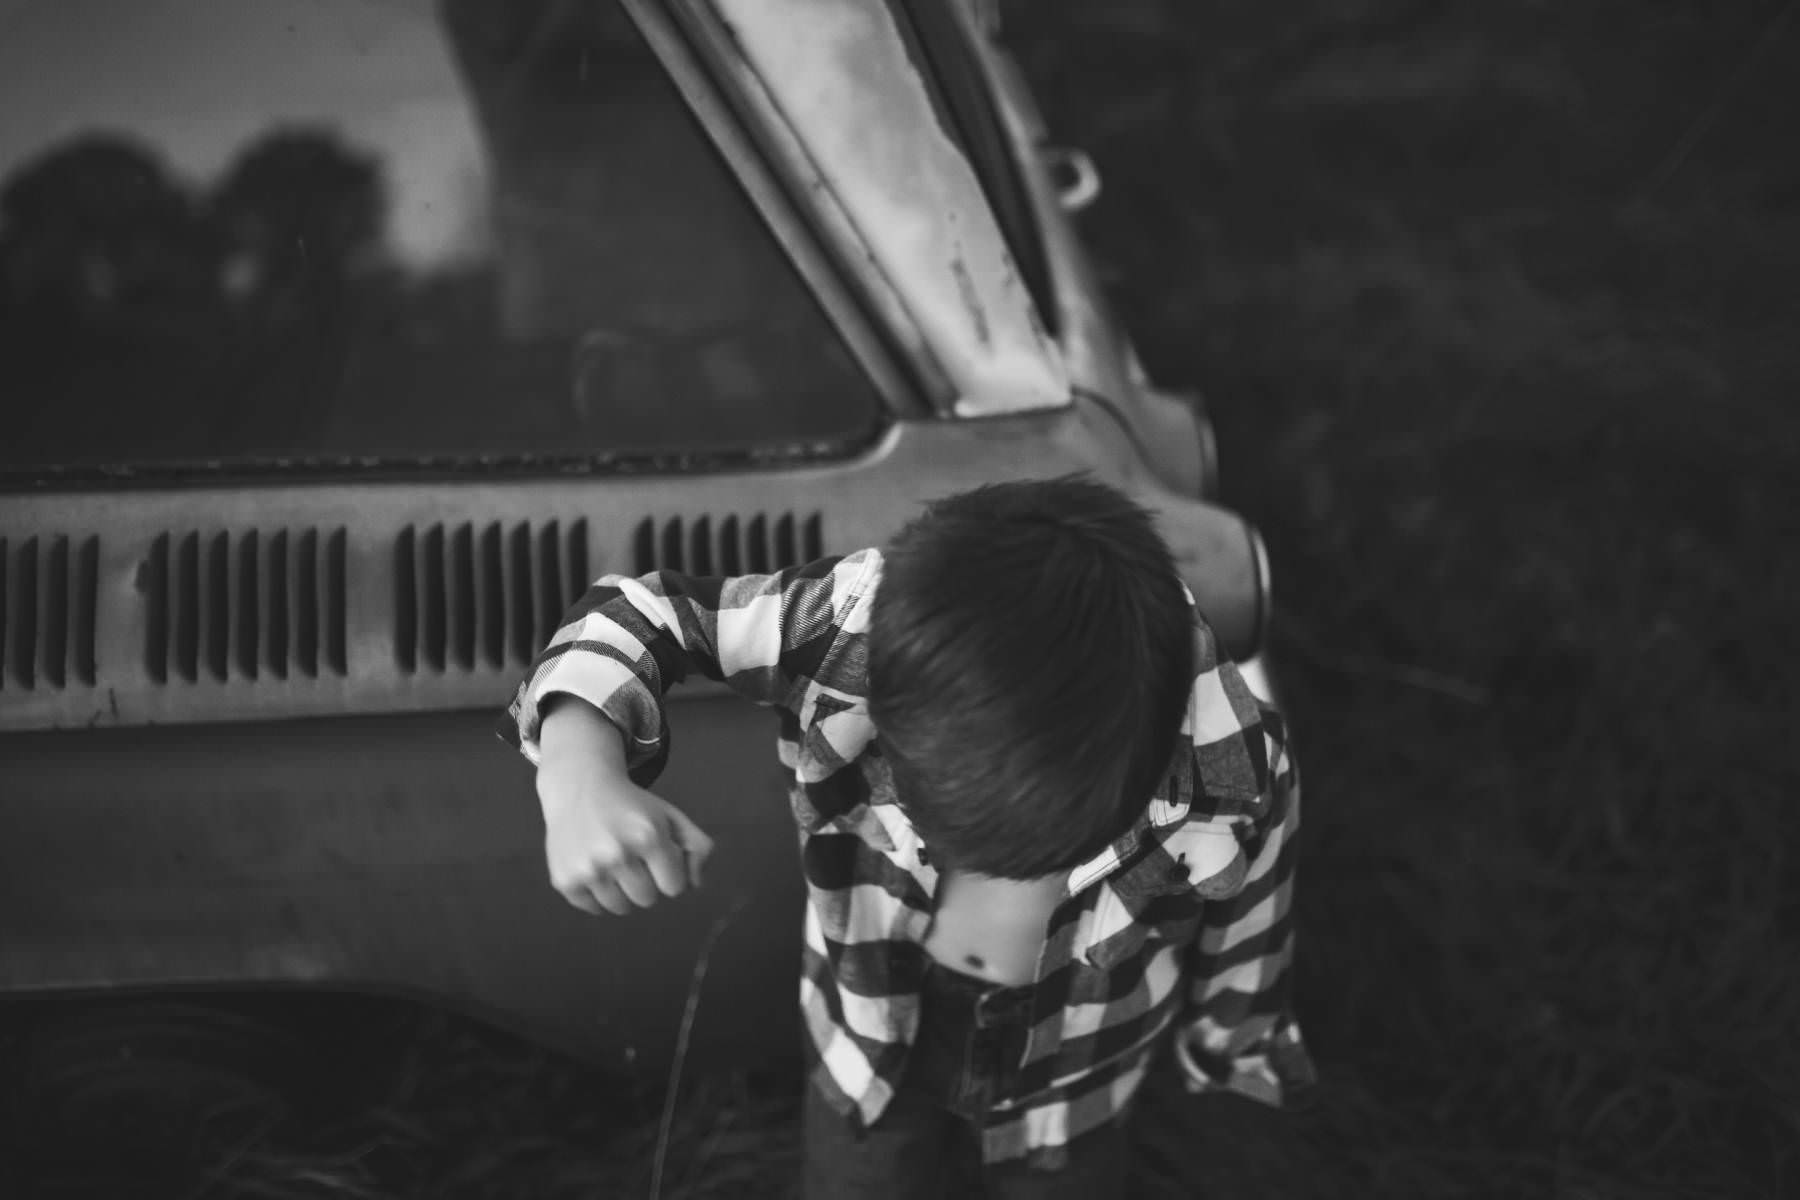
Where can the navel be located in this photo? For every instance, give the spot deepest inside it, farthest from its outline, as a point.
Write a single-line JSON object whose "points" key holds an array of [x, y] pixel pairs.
{"points": [[974, 960]]}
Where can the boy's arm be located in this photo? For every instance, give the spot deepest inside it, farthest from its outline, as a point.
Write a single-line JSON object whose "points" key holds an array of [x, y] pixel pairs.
{"points": [[1240, 1033], [610, 845], [628, 640], [590, 715]]}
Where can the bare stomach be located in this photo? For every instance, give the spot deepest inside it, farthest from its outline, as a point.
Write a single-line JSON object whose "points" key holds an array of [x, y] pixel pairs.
{"points": [[993, 928]]}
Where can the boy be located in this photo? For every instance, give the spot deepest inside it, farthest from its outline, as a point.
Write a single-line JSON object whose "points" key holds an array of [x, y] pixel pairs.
{"points": [[1041, 823]]}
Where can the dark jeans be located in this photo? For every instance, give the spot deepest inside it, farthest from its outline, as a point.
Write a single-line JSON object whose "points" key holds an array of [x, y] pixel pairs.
{"points": [[927, 1142]]}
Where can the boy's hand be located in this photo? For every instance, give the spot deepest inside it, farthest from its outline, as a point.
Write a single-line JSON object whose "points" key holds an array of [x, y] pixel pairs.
{"points": [[611, 846], [619, 847]]}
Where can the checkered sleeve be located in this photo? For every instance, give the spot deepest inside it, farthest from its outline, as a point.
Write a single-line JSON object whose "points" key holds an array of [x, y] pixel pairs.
{"points": [[1240, 1033], [628, 640]]}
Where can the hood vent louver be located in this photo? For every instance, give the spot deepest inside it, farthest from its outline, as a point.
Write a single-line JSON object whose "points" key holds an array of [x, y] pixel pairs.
{"points": [[47, 595], [224, 605], [732, 545], [488, 596]]}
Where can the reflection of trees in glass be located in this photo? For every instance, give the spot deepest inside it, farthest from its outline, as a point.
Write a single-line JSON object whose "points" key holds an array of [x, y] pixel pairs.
{"points": [[111, 324], [95, 237], [632, 297], [150, 319], [299, 214]]}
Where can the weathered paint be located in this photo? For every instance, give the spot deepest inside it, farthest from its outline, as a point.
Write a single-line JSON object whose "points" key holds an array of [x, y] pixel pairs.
{"points": [[838, 75], [1101, 363]]}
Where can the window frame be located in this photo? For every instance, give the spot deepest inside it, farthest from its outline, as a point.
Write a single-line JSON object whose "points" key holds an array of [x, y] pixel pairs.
{"points": [[940, 38]]}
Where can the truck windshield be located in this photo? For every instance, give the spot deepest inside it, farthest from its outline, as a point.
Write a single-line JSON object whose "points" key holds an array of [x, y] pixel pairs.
{"points": [[291, 231]]}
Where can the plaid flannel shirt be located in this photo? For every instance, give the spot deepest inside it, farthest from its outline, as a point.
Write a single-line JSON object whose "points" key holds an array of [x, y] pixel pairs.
{"points": [[1184, 920]]}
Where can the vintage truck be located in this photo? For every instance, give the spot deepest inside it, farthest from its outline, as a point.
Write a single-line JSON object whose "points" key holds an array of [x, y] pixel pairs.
{"points": [[343, 343]]}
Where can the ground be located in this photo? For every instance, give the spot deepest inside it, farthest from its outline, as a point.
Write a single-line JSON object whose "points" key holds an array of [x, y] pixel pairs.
{"points": [[1494, 307]]}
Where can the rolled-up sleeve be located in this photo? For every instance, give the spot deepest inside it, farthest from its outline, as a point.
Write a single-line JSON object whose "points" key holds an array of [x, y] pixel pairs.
{"points": [[1240, 1033], [628, 640]]}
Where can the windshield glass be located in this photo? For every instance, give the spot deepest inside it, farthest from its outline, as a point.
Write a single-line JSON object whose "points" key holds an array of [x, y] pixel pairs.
{"points": [[235, 231]]}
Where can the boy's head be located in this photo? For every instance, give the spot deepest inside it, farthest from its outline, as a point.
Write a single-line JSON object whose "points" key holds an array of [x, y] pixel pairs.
{"points": [[1030, 658]]}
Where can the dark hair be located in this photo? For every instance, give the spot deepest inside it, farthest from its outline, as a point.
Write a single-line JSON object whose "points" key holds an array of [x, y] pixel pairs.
{"points": [[1030, 658]]}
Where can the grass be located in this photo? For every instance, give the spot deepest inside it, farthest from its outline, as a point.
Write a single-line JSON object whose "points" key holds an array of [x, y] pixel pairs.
{"points": [[1494, 306]]}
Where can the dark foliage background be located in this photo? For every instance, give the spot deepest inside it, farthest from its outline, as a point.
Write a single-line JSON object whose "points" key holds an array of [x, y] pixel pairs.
{"points": [[1494, 304]]}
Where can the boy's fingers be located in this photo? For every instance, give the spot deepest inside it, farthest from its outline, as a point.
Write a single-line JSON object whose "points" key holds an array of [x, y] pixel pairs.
{"points": [[607, 895], [668, 870], [581, 898], [634, 880], [695, 842]]}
